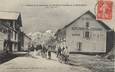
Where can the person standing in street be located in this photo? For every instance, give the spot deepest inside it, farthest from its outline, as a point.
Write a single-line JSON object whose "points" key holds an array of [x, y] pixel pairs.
{"points": [[49, 52], [59, 51], [66, 54], [29, 48], [44, 50]]}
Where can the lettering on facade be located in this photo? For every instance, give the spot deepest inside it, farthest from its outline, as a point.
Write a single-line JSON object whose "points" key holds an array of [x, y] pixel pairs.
{"points": [[81, 28], [86, 18]]}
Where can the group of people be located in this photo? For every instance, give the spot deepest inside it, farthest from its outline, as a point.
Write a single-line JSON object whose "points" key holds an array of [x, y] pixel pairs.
{"points": [[46, 52], [63, 54], [41, 50]]}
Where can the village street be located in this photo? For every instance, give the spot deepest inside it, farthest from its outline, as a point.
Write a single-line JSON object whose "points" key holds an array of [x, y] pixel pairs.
{"points": [[38, 64]]}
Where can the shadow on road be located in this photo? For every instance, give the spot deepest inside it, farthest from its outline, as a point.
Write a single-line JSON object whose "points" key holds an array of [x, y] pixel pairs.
{"points": [[6, 57]]}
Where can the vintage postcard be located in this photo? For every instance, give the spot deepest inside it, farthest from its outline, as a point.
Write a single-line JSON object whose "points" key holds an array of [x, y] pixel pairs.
{"points": [[57, 35]]}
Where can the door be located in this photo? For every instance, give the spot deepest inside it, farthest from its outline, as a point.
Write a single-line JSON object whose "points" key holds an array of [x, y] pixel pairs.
{"points": [[79, 46]]}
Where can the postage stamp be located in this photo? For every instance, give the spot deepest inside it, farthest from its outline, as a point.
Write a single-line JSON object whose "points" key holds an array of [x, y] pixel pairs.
{"points": [[104, 10]]}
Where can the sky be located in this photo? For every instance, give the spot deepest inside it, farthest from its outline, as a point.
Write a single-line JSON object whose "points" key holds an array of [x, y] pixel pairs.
{"points": [[40, 15]]}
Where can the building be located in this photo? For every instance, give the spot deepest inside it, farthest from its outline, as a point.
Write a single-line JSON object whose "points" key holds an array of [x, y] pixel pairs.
{"points": [[11, 21], [25, 41], [5, 31], [86, 35], [2, 38]]}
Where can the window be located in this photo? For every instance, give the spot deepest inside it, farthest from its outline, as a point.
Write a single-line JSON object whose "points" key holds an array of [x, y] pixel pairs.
{"points": [[75, 34], [15, 35], [11, 33], [87, 25], [11, 25], [8, 23], [87, 35]]}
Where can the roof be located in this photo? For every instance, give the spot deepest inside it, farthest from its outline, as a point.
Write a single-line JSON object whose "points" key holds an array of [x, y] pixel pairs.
{"points": [[91, 14], [9, 15]]}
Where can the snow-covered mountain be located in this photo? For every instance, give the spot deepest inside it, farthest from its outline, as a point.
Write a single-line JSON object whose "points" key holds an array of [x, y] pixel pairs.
{"points": [[41, 38]]}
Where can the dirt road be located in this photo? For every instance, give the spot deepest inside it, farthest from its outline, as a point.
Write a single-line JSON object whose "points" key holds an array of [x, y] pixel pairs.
{"points": [[39, 64]]}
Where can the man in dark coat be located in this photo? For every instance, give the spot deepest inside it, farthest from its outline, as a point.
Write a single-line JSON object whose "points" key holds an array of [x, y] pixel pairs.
{"points": [[59, 51], [49, 52]]}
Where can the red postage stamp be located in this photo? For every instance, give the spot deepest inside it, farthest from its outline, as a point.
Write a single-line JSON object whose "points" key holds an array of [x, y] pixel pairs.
{"points": [[104, 10]]}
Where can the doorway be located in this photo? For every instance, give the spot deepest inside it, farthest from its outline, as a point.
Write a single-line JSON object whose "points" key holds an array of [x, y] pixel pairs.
{"points": [[79, 46]]}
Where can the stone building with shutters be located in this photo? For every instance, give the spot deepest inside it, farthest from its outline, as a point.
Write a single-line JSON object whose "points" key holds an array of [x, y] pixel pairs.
{"points": [[10, 24], [85, 34], [2, 38]]}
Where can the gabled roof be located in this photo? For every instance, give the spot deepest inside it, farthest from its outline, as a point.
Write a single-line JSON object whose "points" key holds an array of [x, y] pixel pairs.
{"points": [[91, 14], [9, 15]]}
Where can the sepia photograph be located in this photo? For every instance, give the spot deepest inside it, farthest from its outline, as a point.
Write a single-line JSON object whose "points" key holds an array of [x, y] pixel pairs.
{"points": [[57, 35]]}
